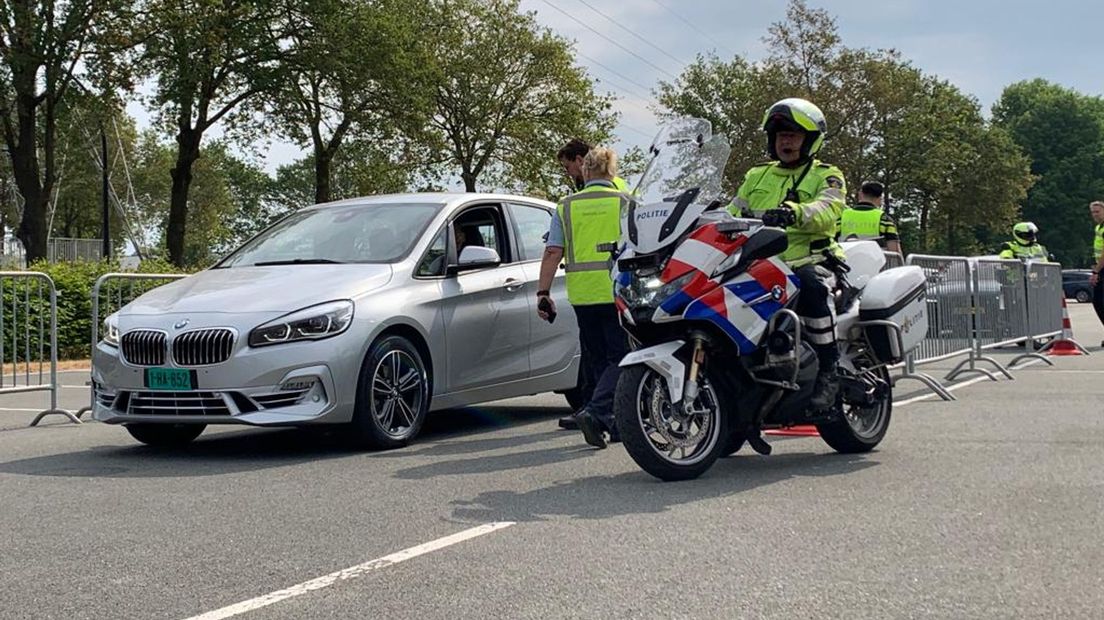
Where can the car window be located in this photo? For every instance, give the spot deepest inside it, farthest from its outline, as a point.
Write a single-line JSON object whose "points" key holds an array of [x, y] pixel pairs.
{"points": [[532, 228], [434, 260], [364, 233], [482, 226]]}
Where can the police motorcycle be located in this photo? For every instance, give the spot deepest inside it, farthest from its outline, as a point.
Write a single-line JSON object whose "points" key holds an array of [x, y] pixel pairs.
{"points": [[718, 354]]}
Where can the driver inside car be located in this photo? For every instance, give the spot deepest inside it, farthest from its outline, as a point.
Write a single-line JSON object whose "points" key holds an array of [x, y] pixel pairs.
{"points": [[798, 192]]}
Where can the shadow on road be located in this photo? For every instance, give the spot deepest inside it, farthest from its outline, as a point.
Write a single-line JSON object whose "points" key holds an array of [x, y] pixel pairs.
{"points": [[253, 449], [601, 497]]}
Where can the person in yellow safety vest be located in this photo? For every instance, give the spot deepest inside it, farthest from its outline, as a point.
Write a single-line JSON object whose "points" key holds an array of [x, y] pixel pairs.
{"points": [[1096, 280], [867, 219], [571, 159], [806, 197], [1025, 244], [584, 220]]}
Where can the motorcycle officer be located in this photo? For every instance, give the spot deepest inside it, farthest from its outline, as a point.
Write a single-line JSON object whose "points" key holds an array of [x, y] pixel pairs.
{"points": [[798, 192]]}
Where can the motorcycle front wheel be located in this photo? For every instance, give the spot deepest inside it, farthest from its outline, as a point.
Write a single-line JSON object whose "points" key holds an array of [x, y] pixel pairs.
{"points": [[665, 440]]}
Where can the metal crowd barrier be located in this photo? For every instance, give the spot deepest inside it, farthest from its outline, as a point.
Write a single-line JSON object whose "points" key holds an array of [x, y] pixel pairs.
{"points": [[1044, 299], [950, 317], [893, 260], [110, 293], [28, 338], [999, 315]]}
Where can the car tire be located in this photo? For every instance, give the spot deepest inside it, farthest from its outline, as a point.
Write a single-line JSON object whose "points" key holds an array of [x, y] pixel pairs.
{"points": [[1083, 296], [393, 394], [165, 435]]}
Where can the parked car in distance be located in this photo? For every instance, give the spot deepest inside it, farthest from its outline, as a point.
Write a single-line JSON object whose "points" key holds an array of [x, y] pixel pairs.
{"points": [[1075, 283], [368, 313]]}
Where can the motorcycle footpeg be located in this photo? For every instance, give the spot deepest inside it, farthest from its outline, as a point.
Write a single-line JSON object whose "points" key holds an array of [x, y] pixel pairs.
{"points": [[757, 443]]}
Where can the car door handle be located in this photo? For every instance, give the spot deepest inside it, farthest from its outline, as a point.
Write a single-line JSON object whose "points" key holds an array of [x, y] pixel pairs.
{"points": [[513, 284]]}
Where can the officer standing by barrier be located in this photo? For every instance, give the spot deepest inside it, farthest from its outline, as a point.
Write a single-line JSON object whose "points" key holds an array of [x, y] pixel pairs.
{"points": [[1097, 211], [867, 220], [583, 220]]}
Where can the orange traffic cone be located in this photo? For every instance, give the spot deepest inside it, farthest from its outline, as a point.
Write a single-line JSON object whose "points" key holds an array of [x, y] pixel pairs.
{"points": [[1065, 344]]}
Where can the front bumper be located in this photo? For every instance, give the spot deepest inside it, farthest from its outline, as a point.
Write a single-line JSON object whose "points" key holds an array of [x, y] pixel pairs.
{"points": [[264, 387]]}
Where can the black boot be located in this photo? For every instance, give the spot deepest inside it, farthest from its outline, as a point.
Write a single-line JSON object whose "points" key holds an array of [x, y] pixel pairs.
{"points": [[827, 380], [569, 422], [825, 390]]}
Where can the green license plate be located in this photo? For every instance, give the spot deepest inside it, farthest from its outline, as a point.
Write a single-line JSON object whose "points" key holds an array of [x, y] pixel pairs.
{"points": [[175, 379]]}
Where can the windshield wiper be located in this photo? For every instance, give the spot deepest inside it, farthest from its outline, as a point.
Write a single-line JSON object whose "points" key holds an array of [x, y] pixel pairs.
{"points": [[299, 261]]}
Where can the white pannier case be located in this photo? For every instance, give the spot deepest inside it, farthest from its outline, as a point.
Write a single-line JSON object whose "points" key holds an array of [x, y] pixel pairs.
{"points": [[899, 296]]}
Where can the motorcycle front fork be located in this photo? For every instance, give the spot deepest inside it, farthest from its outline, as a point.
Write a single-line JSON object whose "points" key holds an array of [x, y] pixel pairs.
{"points": [[697, 358]]}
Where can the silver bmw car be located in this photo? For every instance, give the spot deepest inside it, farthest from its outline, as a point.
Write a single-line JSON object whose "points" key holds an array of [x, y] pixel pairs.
{"points": [[368, 312]]}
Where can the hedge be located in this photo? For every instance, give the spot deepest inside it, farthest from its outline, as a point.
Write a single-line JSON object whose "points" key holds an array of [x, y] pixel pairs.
{"points": [[74, 286]]}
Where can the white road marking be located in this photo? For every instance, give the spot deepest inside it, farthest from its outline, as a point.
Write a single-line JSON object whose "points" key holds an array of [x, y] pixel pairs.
{"points": [[350, 573], [953, 387]]}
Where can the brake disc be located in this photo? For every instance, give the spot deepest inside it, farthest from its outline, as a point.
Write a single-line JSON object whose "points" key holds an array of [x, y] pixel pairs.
{"points": [[663, 423]]}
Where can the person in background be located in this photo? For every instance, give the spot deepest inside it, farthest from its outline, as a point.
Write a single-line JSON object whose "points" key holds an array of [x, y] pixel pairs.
{"points": [[867, 219], [1096, 209], [1025, 243], [583, 220], [571, 157]]}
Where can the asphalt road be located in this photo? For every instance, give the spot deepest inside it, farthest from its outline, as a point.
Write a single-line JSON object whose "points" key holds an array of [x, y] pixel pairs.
{"points": [[990, 506]]}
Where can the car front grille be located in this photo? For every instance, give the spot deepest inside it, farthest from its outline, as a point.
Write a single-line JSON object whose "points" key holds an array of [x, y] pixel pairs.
{"points": [[177, 403], [144, 347], [203, 347]]}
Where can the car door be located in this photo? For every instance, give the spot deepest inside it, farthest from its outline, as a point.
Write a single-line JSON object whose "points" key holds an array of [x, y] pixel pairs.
{"points": [[486, 310], [551, 346]]}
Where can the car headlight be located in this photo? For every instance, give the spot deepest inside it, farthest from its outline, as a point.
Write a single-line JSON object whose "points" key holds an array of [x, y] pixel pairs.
{"points": [[111, 331], [313, 323]]}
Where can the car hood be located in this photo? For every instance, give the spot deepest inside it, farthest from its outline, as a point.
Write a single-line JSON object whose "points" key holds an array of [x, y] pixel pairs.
{"points": [[277, 288]]}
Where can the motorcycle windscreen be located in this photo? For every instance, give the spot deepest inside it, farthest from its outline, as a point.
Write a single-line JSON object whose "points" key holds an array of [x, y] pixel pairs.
{"points": [[683, 177]]}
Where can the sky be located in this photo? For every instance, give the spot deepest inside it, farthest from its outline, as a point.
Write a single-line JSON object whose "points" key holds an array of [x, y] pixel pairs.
{"points": [[979, 45]]}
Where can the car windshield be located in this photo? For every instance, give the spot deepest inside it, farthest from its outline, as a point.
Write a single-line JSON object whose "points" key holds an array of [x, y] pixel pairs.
{"points": [[365, 233]]}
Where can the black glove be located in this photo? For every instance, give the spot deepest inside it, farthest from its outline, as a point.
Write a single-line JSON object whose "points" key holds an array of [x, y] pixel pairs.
{"points": [[781, 217]]}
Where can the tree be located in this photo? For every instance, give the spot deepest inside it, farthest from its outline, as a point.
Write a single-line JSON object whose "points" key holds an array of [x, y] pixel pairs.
{"points": [[1063, 133], [506, 95], [352, 68], [210, 59], [920, 136], [77, 208], [229, 198], [45, 47]]}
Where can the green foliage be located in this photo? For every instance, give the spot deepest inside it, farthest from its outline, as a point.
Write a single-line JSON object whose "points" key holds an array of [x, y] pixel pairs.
{"points": [[74, 282], [507, 94], [952, 179], [211, 60], [1063, 133], [352, 71], [47, 49]]}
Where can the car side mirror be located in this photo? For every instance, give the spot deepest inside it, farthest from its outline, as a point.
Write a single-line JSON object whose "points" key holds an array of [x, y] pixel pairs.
{"points": [[476, 257]]}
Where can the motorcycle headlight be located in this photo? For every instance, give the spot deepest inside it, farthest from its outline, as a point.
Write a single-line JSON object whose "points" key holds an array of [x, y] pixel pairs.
{"points": [[313, 323], [110, 331], [652, 291]]}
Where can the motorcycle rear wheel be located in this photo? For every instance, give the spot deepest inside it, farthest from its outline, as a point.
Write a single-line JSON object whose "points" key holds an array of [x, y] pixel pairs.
{"points": [[663, 440], [861, 429]]}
